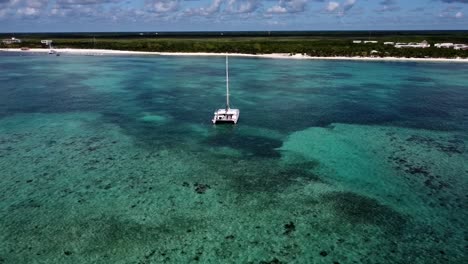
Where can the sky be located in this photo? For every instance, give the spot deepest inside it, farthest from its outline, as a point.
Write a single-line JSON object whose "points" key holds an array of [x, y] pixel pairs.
{"points": [[230, 15]]}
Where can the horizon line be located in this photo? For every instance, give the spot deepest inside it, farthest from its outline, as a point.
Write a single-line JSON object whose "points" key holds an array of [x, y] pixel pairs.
{"points": [[240, 31]]}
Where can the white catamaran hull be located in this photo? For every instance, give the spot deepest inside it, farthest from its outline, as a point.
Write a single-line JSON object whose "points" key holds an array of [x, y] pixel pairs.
{"points": [[226, 116]]}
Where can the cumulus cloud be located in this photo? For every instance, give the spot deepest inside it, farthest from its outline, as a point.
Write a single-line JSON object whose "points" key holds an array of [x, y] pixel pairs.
{"points": [[332, 6], [243, 6], [213, 8], [340, 9], [288, 6], [185, 12], [28, 11], [23, 8], [96, 9], [162, 6], [277, 10], [85, 2], [348, 4], [451, 12]]}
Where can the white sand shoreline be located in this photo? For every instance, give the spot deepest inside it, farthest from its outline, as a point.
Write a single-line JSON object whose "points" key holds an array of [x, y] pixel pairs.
{"points": [[100, 52]]}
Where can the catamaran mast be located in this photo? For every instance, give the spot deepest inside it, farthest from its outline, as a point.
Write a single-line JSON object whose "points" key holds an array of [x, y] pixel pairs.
{"points": [[227, 83]]}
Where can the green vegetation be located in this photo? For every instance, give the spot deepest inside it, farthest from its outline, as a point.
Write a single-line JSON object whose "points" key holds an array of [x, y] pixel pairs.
{"points": [[310, 43]]}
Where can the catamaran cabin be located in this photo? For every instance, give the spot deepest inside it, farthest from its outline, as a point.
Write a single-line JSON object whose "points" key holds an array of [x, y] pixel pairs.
{"points": [[226, 116]]}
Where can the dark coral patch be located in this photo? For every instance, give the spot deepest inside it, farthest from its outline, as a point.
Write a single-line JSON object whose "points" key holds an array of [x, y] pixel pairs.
{"points": [[201, 188], [360, 209], [273, 261], [289, 228], [452, 146], [254, 145], [274, 178]]}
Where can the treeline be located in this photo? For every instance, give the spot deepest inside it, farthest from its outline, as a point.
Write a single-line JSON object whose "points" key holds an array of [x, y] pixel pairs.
{"points": [[259, 45], [382, 35]]}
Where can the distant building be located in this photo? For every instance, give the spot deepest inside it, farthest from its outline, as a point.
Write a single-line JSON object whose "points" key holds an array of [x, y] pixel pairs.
{"points": [[357, 41], [421, 45], [444, 45], [389, 43], [371, 41], [460, 47], [11, 41], [401, 45], [46, 42], [424, 44]]}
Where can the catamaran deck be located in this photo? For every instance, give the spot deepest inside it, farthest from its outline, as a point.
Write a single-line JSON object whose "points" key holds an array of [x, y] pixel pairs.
{"points": [[226, 116]]}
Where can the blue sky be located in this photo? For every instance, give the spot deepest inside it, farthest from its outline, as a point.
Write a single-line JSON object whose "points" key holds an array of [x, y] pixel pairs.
{"points": [[227, 15]]}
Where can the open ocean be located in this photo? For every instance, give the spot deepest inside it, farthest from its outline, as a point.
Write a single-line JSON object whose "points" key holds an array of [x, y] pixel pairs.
{"points": [[113, 159]]}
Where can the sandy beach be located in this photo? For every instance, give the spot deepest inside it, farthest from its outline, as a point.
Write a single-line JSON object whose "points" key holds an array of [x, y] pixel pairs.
{"points": [[101, 52]]}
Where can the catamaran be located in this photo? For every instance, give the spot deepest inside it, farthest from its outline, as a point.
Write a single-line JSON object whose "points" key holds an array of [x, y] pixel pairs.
{"points": [[226, 115]]}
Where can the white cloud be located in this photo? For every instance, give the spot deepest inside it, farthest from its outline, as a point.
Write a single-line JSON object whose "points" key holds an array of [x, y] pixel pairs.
{"points": [[288, 6], [332, 6], [163, 6], [85, 2], [28, 11], [96, 9], [340, 9], [348, 4], [205, 11], [243, 6], [451, 12], [277, 10], [23, 8]]}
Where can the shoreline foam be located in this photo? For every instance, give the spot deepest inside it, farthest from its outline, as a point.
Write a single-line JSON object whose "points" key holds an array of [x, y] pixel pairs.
{"points": [[101, 52]]}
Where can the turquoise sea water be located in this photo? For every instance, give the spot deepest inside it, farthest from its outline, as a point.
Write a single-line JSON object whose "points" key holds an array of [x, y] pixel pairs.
{"points": [[114, 160]]}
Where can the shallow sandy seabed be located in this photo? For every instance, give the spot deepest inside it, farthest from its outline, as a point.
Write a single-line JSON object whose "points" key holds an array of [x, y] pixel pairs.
{"points": [[75, 189]]}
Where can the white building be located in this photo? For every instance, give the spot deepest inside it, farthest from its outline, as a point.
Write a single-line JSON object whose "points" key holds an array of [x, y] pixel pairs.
{"points": [[11, 41], [371, 42], [424, 44], [46, 42], [357, 41], [389, 43], [401, 45], [460, 47], [444, 45], [421, 45]]}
